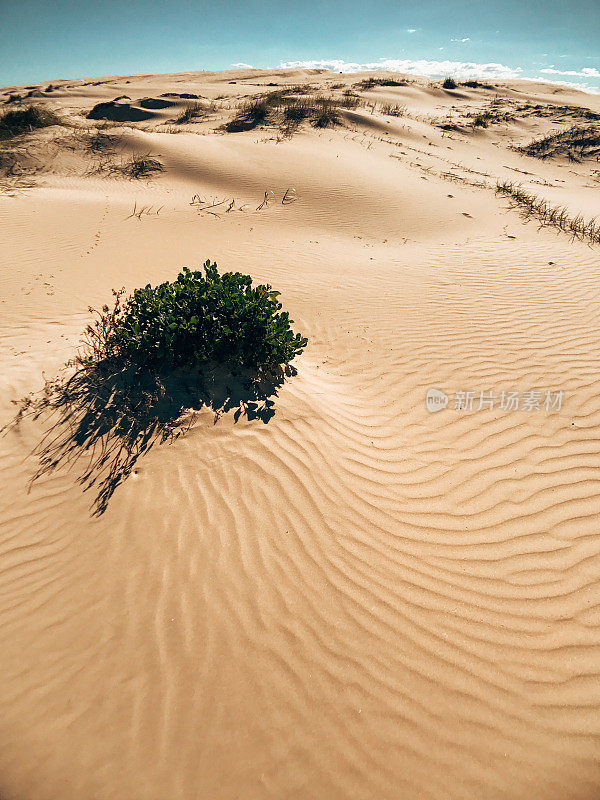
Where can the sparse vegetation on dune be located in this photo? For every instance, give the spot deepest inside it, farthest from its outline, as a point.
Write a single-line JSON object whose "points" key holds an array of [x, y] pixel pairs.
{"points": [[371, 83], [140, 167], [287, 112], [98, 142], [576, 143], [449, 83], [93, 141], [477, 85], [493, 114], [22, 121], [251, 114], [194, 111], [326, 114], [296, 112], [200, 318], [135, 167], [297, 88], [533, 206], [204, 340], [557, 112], [182, 95], [393, 110]]}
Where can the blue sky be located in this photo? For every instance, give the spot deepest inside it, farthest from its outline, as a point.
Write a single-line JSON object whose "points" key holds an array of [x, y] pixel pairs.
{"points": [[42, 40]]}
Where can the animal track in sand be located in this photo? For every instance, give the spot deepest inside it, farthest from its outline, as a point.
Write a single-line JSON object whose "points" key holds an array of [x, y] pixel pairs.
{"points": [[98, 235]]}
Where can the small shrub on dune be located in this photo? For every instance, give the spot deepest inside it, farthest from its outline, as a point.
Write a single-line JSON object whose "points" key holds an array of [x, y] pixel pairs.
{"points": [[206, 340], [16, 123], [201, 318], [449, 83]]}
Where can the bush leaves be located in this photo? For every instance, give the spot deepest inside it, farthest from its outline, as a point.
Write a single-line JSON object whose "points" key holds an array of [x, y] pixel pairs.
{"points": [[204, 317]]}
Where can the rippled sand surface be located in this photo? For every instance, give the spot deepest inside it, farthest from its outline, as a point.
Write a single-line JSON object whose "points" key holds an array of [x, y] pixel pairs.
{"points": [[358, 599]]}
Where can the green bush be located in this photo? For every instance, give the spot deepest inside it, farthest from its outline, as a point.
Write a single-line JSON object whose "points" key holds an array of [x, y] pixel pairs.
{"points": [[201, 318], [449, 83]]}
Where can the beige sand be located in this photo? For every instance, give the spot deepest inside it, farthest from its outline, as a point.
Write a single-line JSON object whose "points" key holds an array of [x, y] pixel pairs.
{"points": [[359, 599]]}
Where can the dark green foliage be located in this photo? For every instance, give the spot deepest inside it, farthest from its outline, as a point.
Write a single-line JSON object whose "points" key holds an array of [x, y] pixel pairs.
{"points": [[449, 83], [201, 318], [15, 123], [149, 364]]}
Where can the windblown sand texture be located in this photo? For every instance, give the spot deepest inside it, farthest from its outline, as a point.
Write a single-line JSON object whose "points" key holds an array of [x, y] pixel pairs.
{"points": [[360, 599]]}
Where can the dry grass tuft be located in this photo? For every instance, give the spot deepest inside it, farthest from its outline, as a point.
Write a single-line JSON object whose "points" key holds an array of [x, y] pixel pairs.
{"points": [[536, 207], [137, 167], [371, 83], [286, 111], [25, 120], [576, 142], [393, 110], [195, 110]]}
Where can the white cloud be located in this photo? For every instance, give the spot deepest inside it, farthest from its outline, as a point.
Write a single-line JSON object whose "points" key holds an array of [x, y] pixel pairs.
{"points": [[241, 65], [586, 72], [582, 87], [411, 30], [432, 69], [466, 39]]}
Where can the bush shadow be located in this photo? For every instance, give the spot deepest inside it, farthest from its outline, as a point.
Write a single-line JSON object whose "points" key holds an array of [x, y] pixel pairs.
{"points": [[103, 420]]}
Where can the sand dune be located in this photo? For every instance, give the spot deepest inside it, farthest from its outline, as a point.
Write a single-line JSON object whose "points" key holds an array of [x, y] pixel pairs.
{"points": [[359, 599]]}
